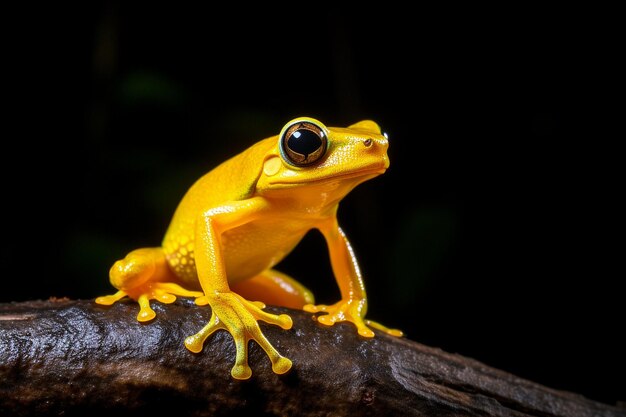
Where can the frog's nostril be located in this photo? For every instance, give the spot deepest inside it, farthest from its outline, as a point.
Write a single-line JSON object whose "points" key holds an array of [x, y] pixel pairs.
{"points": [[368, 143]]}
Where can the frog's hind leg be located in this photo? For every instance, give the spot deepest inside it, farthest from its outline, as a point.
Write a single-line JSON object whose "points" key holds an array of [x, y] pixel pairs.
{"points": [[145, 275], [275, 288]]}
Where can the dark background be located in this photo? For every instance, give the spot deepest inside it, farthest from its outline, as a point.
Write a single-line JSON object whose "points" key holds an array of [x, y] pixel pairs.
{"points": [[491, 235]]}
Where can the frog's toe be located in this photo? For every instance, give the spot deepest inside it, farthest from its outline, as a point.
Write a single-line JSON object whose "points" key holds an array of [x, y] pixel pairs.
{"points": [[108, 300], [175, 289], [146, 313], [255, 308], [312, 308], [284, 321], [340, 315], [378, 326], [364, 331], [164, 297], [281, 365], [327, 320], [241, 371], [195, 343], [202, 300]]}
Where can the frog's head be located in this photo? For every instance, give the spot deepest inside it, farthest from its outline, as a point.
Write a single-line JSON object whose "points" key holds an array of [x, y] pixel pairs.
{"points": [[309, 155]]}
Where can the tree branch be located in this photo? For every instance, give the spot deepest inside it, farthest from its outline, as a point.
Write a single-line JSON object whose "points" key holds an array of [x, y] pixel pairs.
{"points": [[63, 357]]}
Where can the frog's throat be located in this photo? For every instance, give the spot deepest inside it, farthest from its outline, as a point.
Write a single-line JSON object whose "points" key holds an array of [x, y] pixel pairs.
{"points": [[363, 175]]}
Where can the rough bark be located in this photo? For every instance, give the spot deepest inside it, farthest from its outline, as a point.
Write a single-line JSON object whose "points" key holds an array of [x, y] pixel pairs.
{"points": [[63, 357]]}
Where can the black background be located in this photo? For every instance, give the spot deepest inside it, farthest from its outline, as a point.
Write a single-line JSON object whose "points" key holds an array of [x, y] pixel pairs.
{"points": [[493, 234]]}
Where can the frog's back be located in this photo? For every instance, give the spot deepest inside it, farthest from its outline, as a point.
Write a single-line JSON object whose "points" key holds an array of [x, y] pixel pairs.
{"points": [[234, 179]]}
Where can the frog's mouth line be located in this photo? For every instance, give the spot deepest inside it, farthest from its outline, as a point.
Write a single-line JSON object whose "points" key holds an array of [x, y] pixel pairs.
{"points": [[332, 178]]}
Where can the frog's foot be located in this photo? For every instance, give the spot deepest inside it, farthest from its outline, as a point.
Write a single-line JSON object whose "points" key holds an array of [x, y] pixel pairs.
{"points": [[239, 317], [144, 275], [351, 311], [164, 292]]}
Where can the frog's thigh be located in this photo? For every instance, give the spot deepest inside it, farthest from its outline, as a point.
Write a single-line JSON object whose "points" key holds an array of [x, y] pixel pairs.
{"points": [[275, 288], [138, 267]]}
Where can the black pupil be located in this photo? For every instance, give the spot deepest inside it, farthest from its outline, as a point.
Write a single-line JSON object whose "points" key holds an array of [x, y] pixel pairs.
{"points": [[304, 142]]}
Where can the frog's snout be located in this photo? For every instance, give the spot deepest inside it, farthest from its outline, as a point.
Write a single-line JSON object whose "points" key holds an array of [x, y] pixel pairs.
{"points": [[385, 146], [378, 146]]}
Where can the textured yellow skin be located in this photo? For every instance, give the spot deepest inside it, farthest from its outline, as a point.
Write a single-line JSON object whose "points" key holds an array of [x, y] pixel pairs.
{"points": [[242, 218]]}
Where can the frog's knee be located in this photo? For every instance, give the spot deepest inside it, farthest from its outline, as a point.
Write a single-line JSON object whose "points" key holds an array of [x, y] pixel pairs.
{"points": [[138, 267]]}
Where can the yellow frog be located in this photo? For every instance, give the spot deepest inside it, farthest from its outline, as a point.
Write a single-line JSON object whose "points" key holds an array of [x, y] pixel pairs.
{"points": [[242, 218]]}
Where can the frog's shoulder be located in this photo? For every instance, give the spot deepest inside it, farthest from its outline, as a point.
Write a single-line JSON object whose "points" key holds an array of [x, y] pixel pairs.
{"points": [[236, 178]]}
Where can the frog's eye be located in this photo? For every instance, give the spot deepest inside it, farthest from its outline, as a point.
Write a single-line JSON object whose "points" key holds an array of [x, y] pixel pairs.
{"points": [[303, 143]]}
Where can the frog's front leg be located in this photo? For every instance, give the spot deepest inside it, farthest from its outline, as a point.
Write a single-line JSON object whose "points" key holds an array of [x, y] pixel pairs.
{"points": [[353, 304], [230, 311], [144, 275]]}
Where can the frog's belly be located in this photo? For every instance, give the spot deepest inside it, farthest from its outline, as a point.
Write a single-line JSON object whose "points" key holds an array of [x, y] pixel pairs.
{"points": [[247, 250]]}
